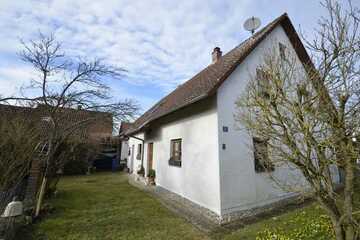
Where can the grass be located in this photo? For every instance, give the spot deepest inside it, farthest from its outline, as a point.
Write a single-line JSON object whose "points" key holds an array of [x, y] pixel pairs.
{"points": [[105, 206], [290, 222]]}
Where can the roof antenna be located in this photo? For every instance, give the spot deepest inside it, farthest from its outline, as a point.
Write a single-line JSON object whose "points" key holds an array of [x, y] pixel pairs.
{"points": [[251, 24]]}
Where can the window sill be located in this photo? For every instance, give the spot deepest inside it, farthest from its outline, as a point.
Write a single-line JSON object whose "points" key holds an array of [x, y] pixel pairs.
{"points": [[174, 163]]}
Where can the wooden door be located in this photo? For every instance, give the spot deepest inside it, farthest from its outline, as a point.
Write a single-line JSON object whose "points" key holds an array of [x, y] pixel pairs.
{"points": [[150, 155]]}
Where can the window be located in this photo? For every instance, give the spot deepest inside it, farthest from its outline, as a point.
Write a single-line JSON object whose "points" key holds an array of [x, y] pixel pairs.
{"points": [[175, 152], [139, 150], [282, 49], [261, 156], [263, 79]]}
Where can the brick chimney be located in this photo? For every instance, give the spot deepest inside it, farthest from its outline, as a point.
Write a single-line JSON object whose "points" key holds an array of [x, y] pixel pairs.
{"points": [[216, 54]]}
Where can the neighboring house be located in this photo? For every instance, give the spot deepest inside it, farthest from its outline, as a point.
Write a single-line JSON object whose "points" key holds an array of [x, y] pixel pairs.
{"points": [[191, 139], [95, 131], [96, 126]]}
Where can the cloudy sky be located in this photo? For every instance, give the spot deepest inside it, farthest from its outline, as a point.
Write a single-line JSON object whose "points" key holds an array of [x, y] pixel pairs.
{"points": [[161, 43]]}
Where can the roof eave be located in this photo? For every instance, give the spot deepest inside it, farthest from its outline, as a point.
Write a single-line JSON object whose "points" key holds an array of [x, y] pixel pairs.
{"points": [[286, 24], [144, 125]]}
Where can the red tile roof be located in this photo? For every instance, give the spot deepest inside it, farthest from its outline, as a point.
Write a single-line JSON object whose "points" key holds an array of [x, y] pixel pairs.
{"points": [[124, 126], [99, 123], [206, 82]]}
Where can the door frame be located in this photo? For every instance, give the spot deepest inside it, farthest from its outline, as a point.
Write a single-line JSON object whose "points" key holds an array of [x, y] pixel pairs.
{"points": [[150, 155]]}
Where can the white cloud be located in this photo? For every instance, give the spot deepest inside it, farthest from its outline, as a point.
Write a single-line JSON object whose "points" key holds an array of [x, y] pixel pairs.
{"points": [[159, 42], [13, 77]]}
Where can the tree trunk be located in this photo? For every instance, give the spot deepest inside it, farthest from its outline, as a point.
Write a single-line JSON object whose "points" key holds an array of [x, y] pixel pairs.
{"points": [[348, 200], [343, 232], [41, 196], [339, 231], [336, 217], [350, 233], [43, 188], [45, 176]]}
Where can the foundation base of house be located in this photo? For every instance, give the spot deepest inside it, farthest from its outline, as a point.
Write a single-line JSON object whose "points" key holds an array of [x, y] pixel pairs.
{"points": [[208, 220], [254, 214], [201, 217]]}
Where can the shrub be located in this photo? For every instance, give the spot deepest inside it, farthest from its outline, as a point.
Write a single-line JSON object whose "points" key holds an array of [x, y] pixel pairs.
{"points": [[78, 158], [76, 166], [152, 173], [19, 139]]}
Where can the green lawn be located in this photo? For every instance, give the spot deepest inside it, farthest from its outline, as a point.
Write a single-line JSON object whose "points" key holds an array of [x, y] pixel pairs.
{"points": [[105, 206]]}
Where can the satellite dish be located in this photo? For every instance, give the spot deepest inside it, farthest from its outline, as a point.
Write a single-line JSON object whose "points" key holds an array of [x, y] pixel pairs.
{"points": [[252, 24]]}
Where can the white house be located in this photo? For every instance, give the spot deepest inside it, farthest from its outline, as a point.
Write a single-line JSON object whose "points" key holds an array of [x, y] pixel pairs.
{"points": [[190, 137]]}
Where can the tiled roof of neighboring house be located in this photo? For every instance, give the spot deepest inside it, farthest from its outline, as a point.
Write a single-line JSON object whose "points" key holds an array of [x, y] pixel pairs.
{"points": [[206, 82], [96, 124], [124, 126], [11, 110]]}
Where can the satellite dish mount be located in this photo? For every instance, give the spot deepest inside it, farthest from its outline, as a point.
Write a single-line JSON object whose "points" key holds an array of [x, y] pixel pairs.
{"points": [[251, 24]]}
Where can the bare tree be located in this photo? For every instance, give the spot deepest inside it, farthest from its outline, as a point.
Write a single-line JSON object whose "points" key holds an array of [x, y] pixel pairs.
{"points": [[310, 119], [61, 83], [18, 147]]}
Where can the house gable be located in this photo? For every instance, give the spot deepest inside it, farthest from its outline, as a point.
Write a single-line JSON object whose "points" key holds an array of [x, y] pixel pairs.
{"points": [[215, 155], [207, 82], [241, 186]]}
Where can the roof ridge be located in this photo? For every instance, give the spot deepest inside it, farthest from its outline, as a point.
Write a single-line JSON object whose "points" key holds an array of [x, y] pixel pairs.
{"points": [[206, 81], [258, 32]]}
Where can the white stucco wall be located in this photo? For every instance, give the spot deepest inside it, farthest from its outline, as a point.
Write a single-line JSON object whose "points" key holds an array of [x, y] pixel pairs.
{"points": [[198, 177], [240, 186], [124, 150], [134, 163], [222, 180]]}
